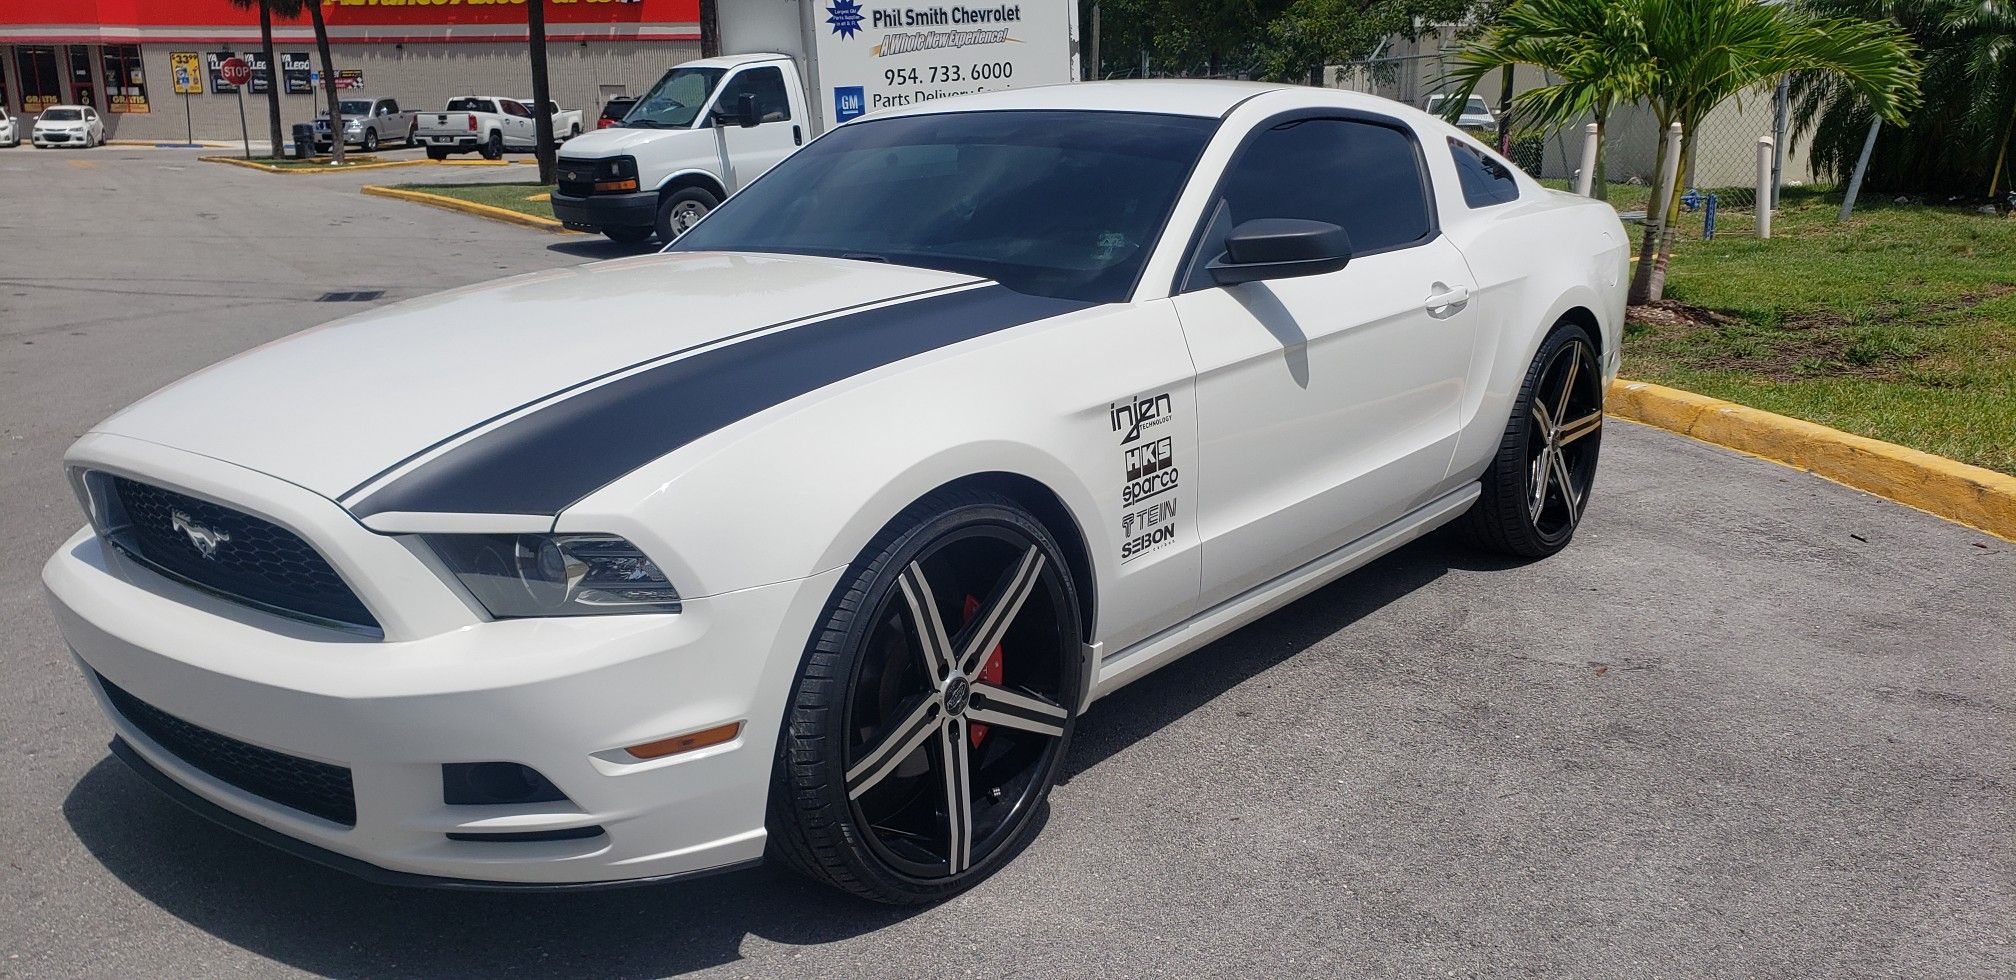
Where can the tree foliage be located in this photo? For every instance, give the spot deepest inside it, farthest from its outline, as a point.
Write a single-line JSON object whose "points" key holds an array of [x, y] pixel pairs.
{"points": [[1955, 138], [1281, 40]]}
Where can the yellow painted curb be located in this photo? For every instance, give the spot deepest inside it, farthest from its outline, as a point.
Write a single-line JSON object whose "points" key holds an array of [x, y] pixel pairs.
{"points": [[1979, 498], [169, 141], [347, 168], [469, 207], [471, 163]]}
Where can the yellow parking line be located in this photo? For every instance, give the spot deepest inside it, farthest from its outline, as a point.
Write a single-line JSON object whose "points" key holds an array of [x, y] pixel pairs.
{"points": [[83, 164]]}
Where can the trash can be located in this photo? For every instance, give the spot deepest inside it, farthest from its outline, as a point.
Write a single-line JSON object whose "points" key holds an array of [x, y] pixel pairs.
{"points": [[304, 141]]}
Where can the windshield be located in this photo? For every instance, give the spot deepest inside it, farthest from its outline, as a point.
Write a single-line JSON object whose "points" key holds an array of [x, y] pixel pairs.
{"points": [[1054, 203], [674, 101], [62, 115], [355, 108]]}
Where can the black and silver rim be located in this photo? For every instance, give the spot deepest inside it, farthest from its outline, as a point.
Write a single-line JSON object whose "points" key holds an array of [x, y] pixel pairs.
{"points": [[1566, 424], [956, 716]]}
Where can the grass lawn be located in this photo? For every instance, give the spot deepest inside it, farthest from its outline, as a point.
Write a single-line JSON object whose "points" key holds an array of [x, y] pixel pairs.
{"points": [[524, 197], [1900, 325]]}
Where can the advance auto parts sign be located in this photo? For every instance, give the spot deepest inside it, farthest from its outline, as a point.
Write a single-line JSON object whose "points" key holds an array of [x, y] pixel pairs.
{"points": [[877, 55]]}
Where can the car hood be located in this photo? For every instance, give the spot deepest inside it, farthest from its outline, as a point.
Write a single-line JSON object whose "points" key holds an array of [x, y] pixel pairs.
{"points": [[332, 407], [603, 142]]}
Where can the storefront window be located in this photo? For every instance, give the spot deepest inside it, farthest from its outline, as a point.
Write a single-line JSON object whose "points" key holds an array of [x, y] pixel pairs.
{"points": [[41, 85], [125, 80], [83, 87]]}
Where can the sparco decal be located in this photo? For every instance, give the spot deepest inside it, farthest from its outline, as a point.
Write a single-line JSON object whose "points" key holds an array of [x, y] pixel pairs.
{"points": [[1151, 471], [1138, 414], [1147, 529]]}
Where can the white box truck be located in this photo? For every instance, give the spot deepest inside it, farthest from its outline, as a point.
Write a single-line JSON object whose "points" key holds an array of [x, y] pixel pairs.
{"points": [[804, 66]]}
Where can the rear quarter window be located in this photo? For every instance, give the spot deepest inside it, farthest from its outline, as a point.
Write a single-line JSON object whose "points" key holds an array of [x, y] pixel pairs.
{"points": [[1486, 181]]}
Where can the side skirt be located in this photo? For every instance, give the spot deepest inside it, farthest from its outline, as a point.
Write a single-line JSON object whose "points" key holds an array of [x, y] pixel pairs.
{"points": [[1124, 667]]}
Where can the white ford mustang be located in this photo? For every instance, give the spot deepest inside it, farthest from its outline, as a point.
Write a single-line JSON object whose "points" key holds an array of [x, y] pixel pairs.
{"points": [[814, 534]]}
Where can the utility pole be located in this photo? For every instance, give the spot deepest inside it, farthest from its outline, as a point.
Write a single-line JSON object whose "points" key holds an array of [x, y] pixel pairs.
{"points": [[1092, 73], [710, 28], [542, 92]]}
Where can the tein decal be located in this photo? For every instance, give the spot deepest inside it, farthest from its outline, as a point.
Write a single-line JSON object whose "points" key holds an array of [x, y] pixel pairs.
{"points": [[1147, 529]]}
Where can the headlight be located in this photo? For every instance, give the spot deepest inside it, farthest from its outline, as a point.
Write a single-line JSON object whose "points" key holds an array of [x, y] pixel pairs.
{"points": [[520, 575], [353, 124]]}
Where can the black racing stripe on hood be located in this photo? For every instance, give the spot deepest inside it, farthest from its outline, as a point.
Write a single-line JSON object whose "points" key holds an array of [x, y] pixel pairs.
{"points": [[553, 456]]}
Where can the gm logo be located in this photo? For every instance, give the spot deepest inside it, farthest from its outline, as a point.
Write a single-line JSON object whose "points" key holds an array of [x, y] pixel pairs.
{"points": [[848, 101]]}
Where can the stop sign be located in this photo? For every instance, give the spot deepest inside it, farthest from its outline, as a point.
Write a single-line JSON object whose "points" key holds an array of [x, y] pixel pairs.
{"points": [[236, 71]]}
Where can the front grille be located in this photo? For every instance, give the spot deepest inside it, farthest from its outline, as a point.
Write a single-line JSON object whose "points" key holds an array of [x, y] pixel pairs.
{"points": [[232, 553], [577, 188], [315, 788]]}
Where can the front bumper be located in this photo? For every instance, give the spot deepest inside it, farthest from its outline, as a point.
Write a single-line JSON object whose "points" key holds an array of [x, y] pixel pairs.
{"points": [[562, 696], [636, 210]]}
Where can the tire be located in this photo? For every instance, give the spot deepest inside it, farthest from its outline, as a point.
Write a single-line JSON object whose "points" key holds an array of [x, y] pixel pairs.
{"points": [[493, 148], [370, 141], [574, 131], [862, 796], [1514, 515], [413, 136], [680, 209], [437, 153], [626, 235]]}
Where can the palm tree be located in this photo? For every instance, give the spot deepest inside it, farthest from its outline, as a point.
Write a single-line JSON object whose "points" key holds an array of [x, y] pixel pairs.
{"points": [[272, 68], [1706, 52], [328, 74], [1595, 47], [1986, 30]]}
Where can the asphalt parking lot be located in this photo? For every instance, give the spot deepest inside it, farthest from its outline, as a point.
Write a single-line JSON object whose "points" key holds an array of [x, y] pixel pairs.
{"points": [[1752, 723]]}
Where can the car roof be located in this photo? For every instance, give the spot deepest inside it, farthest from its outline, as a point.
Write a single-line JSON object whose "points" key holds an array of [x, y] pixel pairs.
{"points": [[1209, 98], [65, 106]]}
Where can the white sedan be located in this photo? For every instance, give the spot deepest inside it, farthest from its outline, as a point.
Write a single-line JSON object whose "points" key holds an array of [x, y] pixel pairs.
{"points": [[814, 535], [10, 130], [68, 125]]}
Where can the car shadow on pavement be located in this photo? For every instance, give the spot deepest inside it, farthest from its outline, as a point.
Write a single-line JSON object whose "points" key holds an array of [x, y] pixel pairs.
{"points": [[596, 247], [326, 922]]}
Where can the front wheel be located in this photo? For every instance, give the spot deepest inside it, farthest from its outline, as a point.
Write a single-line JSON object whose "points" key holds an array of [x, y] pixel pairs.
{"points": [[370, 141], [933, 705], [681, 210], [1537, 486]]}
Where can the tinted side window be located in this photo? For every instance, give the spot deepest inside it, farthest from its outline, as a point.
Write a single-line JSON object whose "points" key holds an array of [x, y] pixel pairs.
{"points": [[767, 85], [1362, 177], [1485, 181]]}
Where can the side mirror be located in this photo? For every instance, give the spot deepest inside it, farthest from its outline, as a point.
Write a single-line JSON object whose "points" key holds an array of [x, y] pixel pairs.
{"points": [[1280, 248], [742, 113]]}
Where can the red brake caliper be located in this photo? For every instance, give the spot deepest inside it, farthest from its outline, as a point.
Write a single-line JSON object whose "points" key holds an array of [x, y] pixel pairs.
{"points": [[990, 670]]}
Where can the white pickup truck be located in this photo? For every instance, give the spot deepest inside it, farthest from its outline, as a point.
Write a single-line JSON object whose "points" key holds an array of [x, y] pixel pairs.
{"points": [[487, 124], [708, 127], [566, 122]]}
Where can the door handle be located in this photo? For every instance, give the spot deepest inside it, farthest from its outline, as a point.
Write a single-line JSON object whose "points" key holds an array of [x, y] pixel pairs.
{"points": [[1446, 299]]}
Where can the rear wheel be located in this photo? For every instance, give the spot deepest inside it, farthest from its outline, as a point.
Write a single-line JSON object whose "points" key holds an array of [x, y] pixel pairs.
{"points": [[933, 706], [1538, 485], [437, 153], [681, 210], [493, 148]]}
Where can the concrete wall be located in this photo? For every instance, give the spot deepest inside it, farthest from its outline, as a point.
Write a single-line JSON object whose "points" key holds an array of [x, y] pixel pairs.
{"points": [[422, 76]]}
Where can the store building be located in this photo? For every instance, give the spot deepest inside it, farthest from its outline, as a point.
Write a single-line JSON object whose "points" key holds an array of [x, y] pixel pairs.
{"points": [[125, 56]]}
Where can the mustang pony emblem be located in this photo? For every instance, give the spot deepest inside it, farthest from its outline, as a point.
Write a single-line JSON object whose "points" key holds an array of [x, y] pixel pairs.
{"points": [[205, 539]]}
